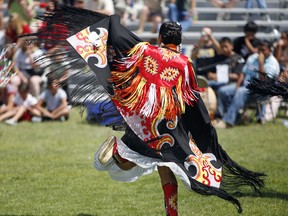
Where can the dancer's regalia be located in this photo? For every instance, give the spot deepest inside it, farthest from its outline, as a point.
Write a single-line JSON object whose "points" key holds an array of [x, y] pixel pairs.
{"points": [[165, 120], [268, 87]]}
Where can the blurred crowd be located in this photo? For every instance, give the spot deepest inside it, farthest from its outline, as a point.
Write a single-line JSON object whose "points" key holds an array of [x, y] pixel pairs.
{"points": [[223, 65], [226, 66]]}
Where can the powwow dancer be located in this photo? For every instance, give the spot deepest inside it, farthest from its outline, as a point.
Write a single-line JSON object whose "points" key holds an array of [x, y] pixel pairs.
{"points": [[167, 126]]}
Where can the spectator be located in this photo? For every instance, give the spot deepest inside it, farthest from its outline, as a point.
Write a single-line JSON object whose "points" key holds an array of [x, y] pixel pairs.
{"points": [[128, 10], [227, 68], [261, 4], [182, 11], [24, 107], [152, 10], [204, 52], [281, 54], [1, 14], [101, 6], [222, 4], [15, 27], [55, 100], [7, 97], [50, 6], [26, 67], [235, 65], [281, 51], [261, 64], [57, 68], [247, 44], [24, 8]]}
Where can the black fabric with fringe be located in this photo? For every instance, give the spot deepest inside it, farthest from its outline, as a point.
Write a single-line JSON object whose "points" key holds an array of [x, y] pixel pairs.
{"points": [[268, 87], [66, 21], [58, 25]]}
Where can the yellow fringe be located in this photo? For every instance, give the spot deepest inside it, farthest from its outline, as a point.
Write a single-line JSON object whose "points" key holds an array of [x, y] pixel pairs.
{"points": [[129, 97], [122, 77], [180, 94], [137, 48]]}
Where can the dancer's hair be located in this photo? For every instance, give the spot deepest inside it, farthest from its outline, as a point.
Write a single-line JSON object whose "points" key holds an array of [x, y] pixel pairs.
{"points": [[171, 33]]}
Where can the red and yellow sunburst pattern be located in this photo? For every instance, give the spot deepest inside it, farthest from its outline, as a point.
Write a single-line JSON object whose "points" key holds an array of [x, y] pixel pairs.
{"points": [[169, 74], [150, 65], [173, 201]]}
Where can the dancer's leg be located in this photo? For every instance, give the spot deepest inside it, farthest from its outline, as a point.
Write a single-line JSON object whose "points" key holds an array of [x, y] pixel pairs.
{"points": [[108, 150], [170, 189]]}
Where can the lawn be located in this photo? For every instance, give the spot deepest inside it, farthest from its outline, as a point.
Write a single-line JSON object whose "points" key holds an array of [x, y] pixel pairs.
{"points": [[46, 169]]}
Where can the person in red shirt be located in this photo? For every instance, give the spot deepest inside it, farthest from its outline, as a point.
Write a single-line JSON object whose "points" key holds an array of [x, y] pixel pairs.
{"points": [[15, 27], [7, 95]]}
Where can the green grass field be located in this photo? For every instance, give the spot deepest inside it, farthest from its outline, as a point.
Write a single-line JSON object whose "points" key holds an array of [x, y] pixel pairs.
{"points": [[46, 169]]}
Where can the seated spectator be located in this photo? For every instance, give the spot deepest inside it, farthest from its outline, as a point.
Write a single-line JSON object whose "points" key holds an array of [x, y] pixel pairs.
{"points": [[52, 103], [247, 45], [181, 11], [101, 6], [261, 64], [222, 4], [284, 76], [15, 27], [281, 51], [1, 14], [261, 4], [152, 11], [7, 97], [235, 65], [24, 8], [26, 67], [24, 107], [50, 47], [228, 66], [281, 54], [56, 68], [128, 10], [204, 52]]}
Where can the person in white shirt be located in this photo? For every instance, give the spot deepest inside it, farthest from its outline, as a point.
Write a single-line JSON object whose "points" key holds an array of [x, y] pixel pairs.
{"points": [[27, 67], [24, 107], [55, 100]]}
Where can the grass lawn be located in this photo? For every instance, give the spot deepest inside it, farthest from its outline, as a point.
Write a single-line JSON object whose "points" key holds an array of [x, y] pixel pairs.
{"points": [[46, 169]]}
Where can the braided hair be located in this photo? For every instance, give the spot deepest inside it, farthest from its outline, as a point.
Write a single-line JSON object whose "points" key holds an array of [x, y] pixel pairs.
{"points": [[171, 33]]}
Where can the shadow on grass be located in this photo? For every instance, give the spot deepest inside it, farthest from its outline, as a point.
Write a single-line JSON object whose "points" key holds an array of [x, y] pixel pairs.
{"points": [[80, 214], [84, 214], [264, 194]]}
